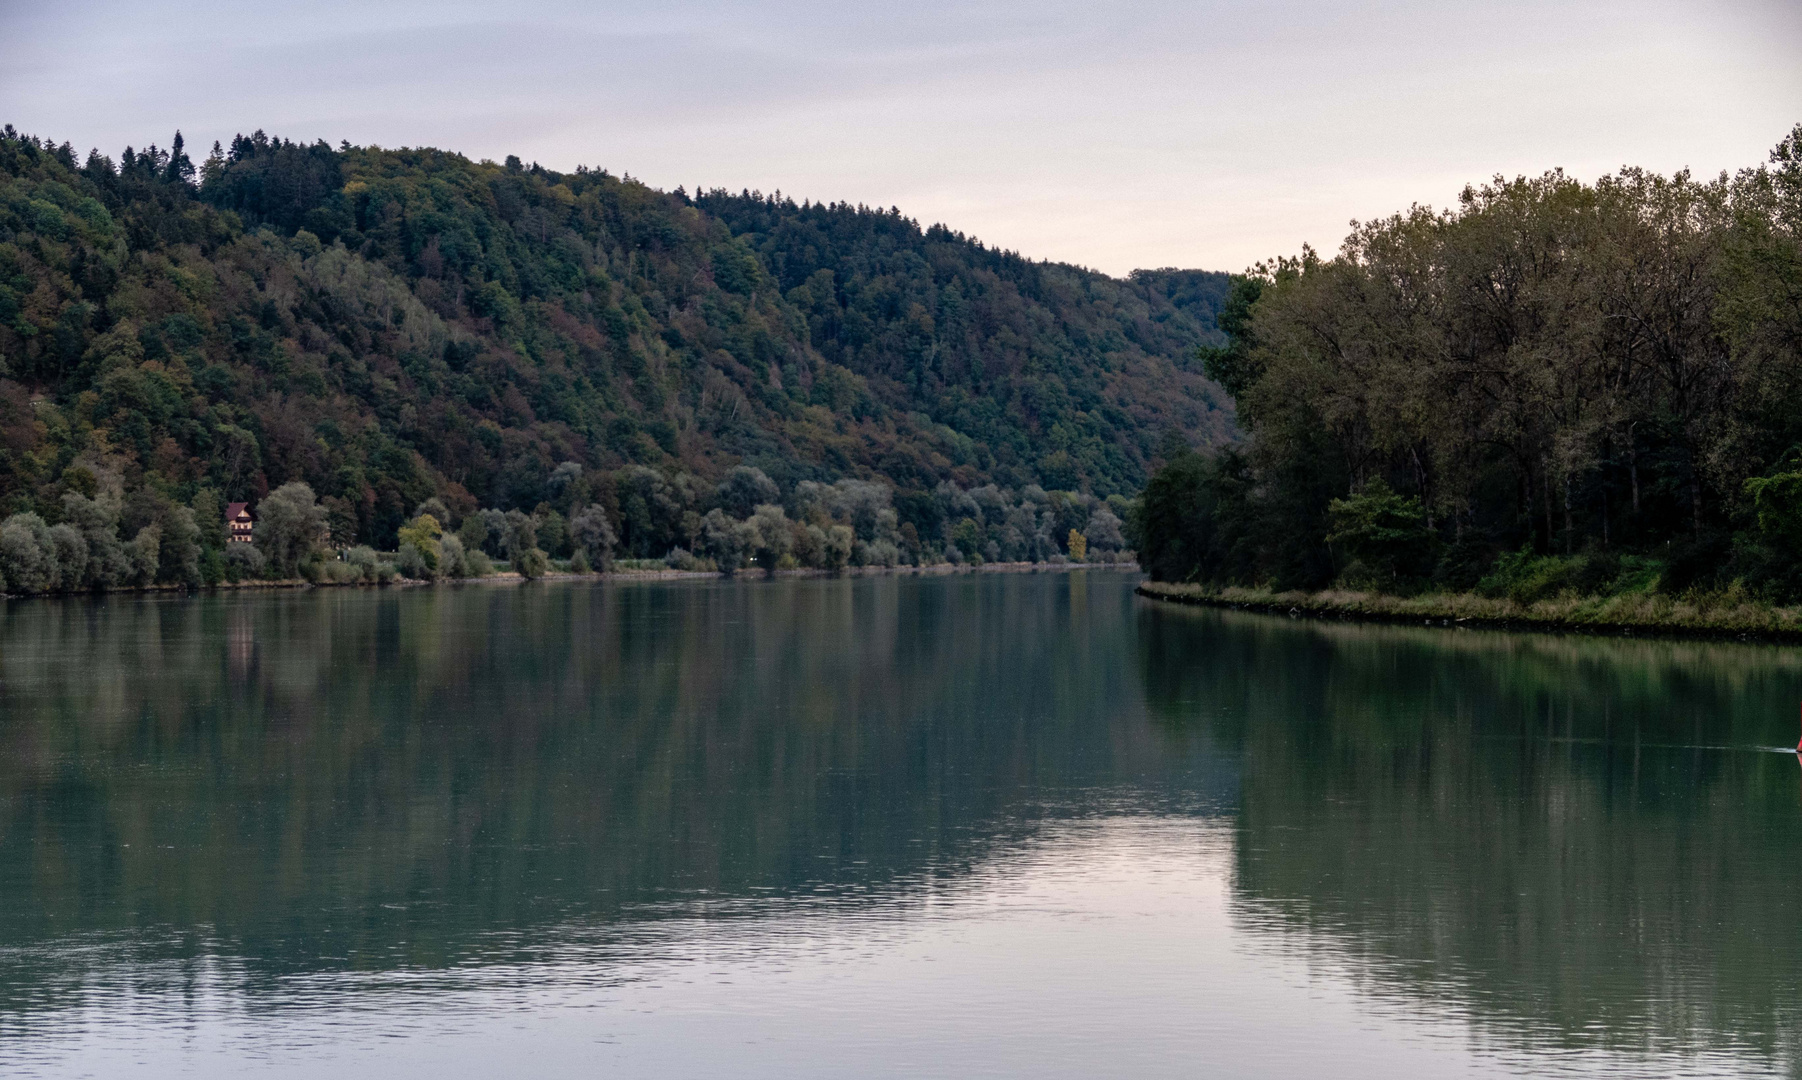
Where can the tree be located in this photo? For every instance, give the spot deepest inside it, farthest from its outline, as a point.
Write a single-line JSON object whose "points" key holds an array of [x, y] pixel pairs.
{"points": [[178, 538], [421, 536], [593, 536], [290, 524], [28, 554], [723, 540], [1383, 536], [1233, 365], [1079, 546], [1103, 531], [522, 546], [745, 489], [770, 537]]}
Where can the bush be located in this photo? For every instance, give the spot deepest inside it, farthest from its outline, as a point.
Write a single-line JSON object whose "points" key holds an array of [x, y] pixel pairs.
{"points": [[882, 553], [28, 553], [531, 563], [1462, 565], [414, 564], [364, 563], [1197, 522], [243, 562], [680, 559], [453, 557]]}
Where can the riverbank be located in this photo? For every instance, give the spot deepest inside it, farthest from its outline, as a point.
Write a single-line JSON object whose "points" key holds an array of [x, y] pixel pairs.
{"points": [[509, 577], [1719, 615], [799, 572]]}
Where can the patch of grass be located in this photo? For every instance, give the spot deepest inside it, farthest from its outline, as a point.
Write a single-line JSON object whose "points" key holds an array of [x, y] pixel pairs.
{"points": [[1634, 604]]}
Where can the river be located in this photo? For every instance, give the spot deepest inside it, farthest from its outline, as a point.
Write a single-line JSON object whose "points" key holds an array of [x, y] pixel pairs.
{"points": [[983, 825]]}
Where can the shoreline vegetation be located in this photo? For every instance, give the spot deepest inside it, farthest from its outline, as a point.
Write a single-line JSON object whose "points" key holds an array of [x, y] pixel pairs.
{"points": [[1556, 405], [1727, 614], [637, 519], [660, 573]]}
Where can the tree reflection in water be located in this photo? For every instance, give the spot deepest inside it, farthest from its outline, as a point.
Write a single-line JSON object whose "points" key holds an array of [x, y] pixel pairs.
{"points": [[1568, 842]]}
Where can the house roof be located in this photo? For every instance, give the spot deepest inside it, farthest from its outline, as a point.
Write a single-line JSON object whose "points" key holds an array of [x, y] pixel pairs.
{"points": [[233, 511]]}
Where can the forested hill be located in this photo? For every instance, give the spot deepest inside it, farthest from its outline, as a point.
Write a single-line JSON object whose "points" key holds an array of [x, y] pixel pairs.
{"points": [[1052, 368], [390, 325]]}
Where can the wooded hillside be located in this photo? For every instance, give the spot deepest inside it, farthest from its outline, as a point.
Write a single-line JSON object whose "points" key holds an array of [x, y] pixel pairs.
{"points": [[394, 325]]}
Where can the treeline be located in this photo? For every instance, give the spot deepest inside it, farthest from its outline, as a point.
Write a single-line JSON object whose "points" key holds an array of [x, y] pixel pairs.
{"points": [[1554, 386], [391, 326], [675, 519], [748, 521]]}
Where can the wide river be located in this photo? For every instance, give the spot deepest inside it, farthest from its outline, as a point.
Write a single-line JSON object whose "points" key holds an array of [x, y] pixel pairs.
{"points": [[999, 825]]}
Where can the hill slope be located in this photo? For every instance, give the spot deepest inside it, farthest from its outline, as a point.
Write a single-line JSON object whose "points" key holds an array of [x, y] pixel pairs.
{"points": [[389, 325]]}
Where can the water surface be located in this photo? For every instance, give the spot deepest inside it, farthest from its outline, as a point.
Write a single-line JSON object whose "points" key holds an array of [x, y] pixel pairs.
{"points": [[989, 825]]}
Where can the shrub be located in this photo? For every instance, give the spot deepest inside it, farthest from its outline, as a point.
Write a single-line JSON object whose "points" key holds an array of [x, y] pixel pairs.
{"points": [[244, 562], [531, 563], [364, 562], [28, 553], [680, 559], [1523, 577], [453, 558], [413, 563]]}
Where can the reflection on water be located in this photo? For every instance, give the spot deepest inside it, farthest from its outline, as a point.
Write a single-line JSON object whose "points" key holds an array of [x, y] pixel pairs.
{"points": [[985, 825]]}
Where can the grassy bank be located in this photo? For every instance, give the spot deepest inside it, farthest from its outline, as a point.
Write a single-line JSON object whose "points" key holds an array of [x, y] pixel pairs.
{"points": [[1724, 614]]}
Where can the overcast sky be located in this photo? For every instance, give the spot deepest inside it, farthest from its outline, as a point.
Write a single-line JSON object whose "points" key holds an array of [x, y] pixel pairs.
{"points": [[1113, 135]]}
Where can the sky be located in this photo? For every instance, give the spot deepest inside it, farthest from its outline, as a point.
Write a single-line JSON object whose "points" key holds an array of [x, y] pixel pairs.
{"points": [[1116, 136]]}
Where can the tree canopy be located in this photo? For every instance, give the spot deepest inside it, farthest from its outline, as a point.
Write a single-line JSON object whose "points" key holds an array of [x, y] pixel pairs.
{"points": [[1577, 371]]}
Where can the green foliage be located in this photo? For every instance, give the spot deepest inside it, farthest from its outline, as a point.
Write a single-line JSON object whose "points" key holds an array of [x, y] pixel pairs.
{"points": [[1525, 578], [1777, 506], [967, 536], [531, 563], [1383, 536], [420, 547], [1197, 521], [1040, 372], [1550, 367], [290, 524], [1233, 365], [390, 325], [593, 537]]}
